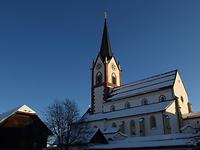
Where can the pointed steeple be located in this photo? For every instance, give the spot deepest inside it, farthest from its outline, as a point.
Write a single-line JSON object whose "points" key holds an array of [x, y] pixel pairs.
{"points": [[105, 51]]}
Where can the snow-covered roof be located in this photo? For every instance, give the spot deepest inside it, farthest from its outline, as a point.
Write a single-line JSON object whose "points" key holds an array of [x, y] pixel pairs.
{"points": [[186, 126], [9, 113], [111, 130], [168, 140], [87, 136], [150, 108], [191, 115], [150, 84]]}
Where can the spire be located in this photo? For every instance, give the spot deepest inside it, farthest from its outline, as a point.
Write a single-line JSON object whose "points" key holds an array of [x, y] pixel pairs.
{"points": [[105, 51]]}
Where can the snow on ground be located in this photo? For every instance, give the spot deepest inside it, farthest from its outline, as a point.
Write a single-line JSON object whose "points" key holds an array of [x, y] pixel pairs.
{"points": [[153, 141]]}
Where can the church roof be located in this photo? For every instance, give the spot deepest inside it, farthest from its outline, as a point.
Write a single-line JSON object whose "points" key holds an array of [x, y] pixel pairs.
{"points": [[191, 115], [150, 84], [144, 109], [105, 50]]}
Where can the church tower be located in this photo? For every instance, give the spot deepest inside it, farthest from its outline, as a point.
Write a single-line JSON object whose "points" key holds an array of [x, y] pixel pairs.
{"points": [[106, 73]]}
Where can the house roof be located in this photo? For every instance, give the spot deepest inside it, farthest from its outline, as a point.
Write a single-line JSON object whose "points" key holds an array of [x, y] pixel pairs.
{"points": [[191, 115], [88, 136], [23, 108], [150, 84], [26, 111], [168, 140], [150, 108]]}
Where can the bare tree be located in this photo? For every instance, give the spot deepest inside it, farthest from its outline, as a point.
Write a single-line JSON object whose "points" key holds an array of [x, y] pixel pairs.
{"points": [[63, 119]]}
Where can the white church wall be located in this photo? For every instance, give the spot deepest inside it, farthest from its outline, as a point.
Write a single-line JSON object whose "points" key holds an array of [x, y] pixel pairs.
{"points": [[98, 99], [98, 124], [137, 100], [148, 131], [171, 112], [180, 91], [159, 124]]}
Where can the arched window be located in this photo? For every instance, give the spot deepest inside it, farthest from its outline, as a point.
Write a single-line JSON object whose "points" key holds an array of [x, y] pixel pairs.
{"points": [[144, 101], [114, 125], [98, 78], [152, 122], [114, 78], [142, 126], [167, 124], [162, 98], [112, 108], [127, 105], [132, 128], [122, 126]]}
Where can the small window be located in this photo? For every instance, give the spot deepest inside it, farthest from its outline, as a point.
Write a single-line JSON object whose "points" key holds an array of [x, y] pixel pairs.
{"points": [[98, 78], [127, 105], [152, 122], [162, 98], [112, 108], [114, 80], [182, 99], [114, 125], [144, 101], [132, 128]]}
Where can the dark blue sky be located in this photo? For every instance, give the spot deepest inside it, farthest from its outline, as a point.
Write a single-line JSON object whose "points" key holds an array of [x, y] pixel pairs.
{"points": [[47, 47]]}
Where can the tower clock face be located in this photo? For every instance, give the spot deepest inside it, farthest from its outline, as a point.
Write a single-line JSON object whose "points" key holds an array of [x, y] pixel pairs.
{"points": [[98, 66], [113, 67]]}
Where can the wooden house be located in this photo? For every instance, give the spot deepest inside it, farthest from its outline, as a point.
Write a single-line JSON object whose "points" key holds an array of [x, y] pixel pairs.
{"points": [[22, 129]]}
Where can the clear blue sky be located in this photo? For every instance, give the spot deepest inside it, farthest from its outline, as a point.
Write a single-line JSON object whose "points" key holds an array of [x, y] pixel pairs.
{"points": [[47, 47]]}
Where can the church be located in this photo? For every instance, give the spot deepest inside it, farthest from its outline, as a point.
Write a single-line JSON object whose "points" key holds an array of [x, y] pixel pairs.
{"points": [[152, 113]]}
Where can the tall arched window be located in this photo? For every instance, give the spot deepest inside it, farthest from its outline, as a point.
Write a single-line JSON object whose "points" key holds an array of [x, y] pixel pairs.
{"points": [[122, 126], [162, 98], [167, 124], [98, 78], [112, 108], [127, 105], [132, 128], [144, 101], [114, 125], [152, 122], [142, 126], [114, 78]]}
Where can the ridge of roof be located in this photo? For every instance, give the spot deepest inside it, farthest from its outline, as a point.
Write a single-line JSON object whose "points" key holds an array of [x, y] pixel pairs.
{"points": [[154, 76], [22, 108], [146, 85]]}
